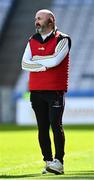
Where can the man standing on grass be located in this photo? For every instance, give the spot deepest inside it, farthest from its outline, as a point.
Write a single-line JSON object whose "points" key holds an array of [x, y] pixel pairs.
{"points": [[47, 58]]}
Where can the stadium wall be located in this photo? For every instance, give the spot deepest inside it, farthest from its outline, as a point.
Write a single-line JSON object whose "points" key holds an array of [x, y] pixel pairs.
{"points": [[78, 110]]}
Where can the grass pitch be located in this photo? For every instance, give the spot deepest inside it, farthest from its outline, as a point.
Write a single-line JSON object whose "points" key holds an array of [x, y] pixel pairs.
{"points": [[20, 155]]}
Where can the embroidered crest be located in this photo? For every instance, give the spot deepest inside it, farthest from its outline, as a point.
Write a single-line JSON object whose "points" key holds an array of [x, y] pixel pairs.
{"points": [[41, 48]]}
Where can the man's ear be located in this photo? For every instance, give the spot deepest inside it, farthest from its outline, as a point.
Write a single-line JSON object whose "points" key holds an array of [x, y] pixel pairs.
{"points": [[50, 20]]}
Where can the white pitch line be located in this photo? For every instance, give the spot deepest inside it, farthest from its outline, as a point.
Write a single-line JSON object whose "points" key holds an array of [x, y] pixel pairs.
{"points": [[19, 166], [79, 153]]}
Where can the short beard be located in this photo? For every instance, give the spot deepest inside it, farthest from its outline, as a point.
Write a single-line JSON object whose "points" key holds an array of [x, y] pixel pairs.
{"points": [[39, 30], [42, 29]]}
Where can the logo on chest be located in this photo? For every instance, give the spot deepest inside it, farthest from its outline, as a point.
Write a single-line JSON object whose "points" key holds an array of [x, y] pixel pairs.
{"points": [[41, 48]]}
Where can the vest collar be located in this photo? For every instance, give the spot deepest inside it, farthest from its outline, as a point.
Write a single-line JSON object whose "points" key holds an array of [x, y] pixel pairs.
{"points": [[38, 37]]}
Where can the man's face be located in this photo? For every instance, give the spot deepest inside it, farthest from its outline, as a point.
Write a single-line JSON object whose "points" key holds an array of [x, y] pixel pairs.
{"points": [[41, 22]]}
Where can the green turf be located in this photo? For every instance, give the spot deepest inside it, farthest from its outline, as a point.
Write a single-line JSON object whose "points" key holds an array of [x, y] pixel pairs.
{"points": [[20, 156]]}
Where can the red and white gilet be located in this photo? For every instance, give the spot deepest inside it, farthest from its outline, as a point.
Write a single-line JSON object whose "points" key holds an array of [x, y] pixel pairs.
{"points": [[55, 78]]}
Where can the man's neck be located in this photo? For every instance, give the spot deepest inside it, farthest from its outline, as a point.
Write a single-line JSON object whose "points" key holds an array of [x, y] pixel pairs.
{"points": [[44, 36]]}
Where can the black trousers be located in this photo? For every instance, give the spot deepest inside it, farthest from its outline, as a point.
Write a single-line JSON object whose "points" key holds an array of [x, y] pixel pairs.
{"points": [[49, 107]]}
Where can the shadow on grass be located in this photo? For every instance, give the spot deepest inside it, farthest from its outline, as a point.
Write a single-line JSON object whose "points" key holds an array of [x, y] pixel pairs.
{"points": [[15, 127], [68, 175], [19, 176]]}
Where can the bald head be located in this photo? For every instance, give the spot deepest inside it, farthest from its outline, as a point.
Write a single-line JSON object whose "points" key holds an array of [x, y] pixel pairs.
{"points": [[47, 13], [44, 21]]}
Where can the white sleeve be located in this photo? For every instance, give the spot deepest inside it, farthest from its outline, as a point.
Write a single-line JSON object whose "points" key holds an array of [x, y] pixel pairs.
{"points": [[27, 63], [61, 51], [27, 53]]}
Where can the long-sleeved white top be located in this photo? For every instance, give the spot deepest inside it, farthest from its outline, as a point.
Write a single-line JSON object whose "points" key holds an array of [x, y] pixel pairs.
{"points": [[42, 63]]}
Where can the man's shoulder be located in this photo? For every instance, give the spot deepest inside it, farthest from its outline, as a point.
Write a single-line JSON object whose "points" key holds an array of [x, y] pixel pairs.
{"points": [[34, 36], [63, 35]]}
